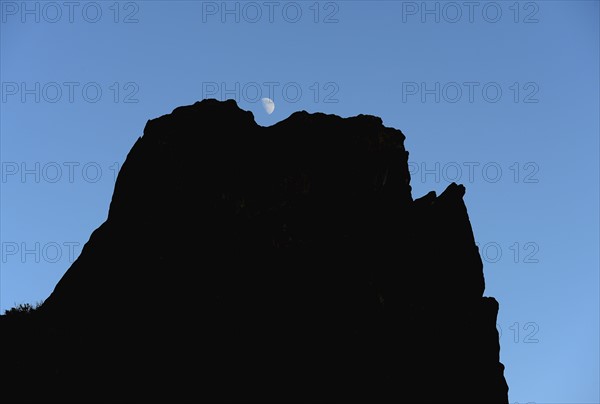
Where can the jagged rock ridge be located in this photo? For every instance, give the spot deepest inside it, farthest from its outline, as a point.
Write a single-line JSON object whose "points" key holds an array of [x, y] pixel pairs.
{"points": [[287, 263]]}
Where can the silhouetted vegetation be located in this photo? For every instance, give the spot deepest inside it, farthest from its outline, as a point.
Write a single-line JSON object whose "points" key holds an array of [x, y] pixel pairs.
{"points": [[23, 309]]}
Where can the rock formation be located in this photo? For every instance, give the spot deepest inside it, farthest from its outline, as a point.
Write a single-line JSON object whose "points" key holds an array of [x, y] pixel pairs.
{"points": [[288, 263]]}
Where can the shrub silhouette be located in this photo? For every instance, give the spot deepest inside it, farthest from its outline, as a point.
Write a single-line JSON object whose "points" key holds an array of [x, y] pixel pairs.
{"points": [[23, 309]]}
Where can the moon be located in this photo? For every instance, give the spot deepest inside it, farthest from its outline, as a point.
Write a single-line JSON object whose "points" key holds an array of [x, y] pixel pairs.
{"points": [[268, 105]]}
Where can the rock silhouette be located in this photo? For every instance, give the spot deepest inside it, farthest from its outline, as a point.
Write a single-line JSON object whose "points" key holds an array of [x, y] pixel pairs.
{"points": [[242, 263]]}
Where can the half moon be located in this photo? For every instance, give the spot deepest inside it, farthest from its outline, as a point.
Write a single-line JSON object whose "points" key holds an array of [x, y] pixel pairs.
{"points": [[268, 105]]}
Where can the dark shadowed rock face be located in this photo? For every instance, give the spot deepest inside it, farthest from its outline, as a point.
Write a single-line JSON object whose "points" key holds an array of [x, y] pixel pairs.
{"points": [[268, 264]]}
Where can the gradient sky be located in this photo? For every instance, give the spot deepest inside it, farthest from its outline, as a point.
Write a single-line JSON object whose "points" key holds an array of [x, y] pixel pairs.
{"points": [[502, 97]]}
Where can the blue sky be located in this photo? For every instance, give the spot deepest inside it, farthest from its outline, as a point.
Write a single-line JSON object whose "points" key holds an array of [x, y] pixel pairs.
{"points": [[502, 97]]}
